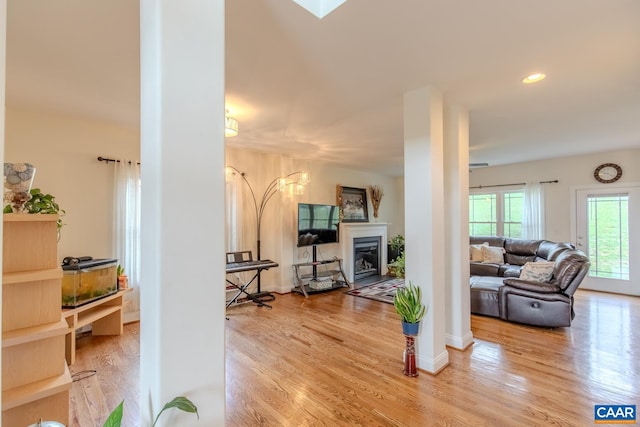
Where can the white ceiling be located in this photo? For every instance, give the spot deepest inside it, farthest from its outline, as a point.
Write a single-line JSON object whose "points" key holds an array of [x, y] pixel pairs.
{"points": [[332, 88]]}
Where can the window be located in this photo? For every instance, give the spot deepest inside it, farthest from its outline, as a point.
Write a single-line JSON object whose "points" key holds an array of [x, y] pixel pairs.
{"points": [[608, 221], [496, 213]]}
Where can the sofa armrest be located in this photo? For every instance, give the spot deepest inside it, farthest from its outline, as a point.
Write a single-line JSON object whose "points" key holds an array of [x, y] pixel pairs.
{"points": [[483, 269], [533, 286]]}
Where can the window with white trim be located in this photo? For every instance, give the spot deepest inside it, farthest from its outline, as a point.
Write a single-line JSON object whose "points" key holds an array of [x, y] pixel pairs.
{"points": [[496, 212]]}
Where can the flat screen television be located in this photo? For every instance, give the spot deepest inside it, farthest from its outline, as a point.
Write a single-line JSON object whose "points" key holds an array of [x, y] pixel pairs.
{"points": [[317, 224]]}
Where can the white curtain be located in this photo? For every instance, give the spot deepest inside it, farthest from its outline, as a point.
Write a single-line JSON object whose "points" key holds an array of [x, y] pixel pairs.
{"points": [[533, 221], [126, 236], [231, 215]]}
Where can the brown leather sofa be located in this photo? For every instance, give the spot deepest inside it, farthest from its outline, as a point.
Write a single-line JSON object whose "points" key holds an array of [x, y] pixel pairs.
{"points": [[497, 290]]}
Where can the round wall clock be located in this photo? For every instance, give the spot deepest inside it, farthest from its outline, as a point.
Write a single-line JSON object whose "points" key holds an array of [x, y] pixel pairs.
{"points": [[607, 173]]}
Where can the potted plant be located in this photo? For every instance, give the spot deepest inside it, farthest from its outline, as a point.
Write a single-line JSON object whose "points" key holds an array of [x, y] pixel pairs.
{"points": [[408, 304], [397, 266], [123, 280], [395, 246], [41, 203]]}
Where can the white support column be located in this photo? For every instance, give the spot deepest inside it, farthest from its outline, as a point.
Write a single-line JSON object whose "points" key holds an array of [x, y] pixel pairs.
{"points": [[182, 154], [424, 218], [3, 63], [456, 155]]}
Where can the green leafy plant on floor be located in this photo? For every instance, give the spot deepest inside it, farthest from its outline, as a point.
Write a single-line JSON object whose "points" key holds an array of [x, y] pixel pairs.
{"points": [[397, 266], [408, 303], [180, 402], [41, 203]]}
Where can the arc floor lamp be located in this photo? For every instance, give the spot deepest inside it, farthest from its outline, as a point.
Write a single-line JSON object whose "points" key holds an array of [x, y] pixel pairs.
{"points": [[295, 182]]}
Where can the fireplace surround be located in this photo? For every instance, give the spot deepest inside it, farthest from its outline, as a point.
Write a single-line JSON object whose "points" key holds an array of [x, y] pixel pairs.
{"points": [[357, 230]]}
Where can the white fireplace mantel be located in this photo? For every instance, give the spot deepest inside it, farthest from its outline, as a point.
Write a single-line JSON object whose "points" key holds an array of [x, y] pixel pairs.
{"points": [[355, 230]]}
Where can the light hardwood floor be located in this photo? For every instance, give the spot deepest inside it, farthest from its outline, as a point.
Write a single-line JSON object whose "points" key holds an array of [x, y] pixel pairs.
{"points": [[335, 360]]}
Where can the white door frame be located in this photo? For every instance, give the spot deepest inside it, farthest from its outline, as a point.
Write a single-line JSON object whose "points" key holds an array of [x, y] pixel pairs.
{"points": [[631, 286]]}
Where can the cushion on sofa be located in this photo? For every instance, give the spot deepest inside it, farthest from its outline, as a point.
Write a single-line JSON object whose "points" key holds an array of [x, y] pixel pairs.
{"points": [[537, 271], [549, 251], [514, 259], [521, 246], [481, 269], [492, 254], [507, 270], [475, 251]]}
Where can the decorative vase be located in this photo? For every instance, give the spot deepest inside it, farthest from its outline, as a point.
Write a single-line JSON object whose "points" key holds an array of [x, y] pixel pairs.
{"points": [[410, 330], [18, 178], [410, 368]]}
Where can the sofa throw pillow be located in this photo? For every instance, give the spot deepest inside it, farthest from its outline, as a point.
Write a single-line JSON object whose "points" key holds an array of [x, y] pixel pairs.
{"points": [[537, 271], [493, 254], [476, 251]]}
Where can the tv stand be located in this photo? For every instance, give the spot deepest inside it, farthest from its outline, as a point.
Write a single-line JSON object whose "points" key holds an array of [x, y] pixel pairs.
{"points": [[315, 281]]}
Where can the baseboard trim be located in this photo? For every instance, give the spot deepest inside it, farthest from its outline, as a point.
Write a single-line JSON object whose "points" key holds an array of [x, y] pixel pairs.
{"points": [[435, 365], [130, 317], [459, 343]]}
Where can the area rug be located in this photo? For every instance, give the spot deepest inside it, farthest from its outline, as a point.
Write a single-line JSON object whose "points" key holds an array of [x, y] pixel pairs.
{"points": [[382, 291]]}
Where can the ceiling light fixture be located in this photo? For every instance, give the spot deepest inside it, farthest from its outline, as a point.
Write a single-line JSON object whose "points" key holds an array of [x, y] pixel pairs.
{"points": [[230, 126], [533, 78]]}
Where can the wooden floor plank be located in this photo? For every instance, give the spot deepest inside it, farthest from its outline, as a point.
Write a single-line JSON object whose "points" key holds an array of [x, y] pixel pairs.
{"points": [[335, 360]]}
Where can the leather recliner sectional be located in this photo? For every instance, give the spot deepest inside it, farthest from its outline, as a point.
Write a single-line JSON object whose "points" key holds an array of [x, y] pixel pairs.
{"points": [[497, 289]]}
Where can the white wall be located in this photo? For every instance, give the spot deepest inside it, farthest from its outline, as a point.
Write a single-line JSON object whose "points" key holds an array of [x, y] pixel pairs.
{"points": [[278, 234], [570, 172], [64, 150]]}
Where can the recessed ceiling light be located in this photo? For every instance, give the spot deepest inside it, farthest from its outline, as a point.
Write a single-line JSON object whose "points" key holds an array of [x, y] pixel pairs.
{"points": [[533, 78]]}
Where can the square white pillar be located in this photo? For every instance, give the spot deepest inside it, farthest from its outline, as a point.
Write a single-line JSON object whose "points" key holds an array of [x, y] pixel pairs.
{"points": [[456, 160], [182, 154], [424, 218]]}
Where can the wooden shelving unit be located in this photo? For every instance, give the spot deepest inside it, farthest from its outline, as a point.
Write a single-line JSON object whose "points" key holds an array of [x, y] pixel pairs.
{"points": [[35, 376], [105, 316]]}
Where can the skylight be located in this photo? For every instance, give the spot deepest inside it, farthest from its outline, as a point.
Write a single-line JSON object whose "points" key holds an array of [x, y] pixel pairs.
{"points": [[320, 8]]}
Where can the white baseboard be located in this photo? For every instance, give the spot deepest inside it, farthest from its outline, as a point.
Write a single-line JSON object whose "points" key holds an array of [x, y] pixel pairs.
{"points": [[433, 366], [130, 317], [459, 343]]}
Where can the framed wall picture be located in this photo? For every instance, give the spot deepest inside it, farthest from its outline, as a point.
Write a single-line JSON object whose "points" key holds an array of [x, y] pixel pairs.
{"points": [[353, 204]]}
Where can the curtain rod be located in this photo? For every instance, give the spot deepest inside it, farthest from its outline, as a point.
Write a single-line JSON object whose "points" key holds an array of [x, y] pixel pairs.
{"points": [[107, 160], [516, 183]]}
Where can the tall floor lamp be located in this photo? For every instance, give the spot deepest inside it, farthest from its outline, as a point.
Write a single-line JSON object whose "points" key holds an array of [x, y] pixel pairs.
{"points": [[295, 180]]}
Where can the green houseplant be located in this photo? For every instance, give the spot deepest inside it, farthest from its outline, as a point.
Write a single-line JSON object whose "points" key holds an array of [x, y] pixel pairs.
{"points": [[395, 246], [408, 304], [123, 279], [41, 203], [396, 267], [180, 402]]}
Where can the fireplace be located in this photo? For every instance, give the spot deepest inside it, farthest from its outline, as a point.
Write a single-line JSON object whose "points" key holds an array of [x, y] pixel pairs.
{"points": [[350, 232], [366, 257]]}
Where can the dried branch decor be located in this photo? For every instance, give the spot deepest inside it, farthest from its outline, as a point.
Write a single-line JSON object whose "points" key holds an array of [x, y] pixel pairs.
{"points": [[376, 194]]}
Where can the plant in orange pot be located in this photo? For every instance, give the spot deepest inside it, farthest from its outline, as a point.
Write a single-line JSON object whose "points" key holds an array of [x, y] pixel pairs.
{"points": [[123, 279]]}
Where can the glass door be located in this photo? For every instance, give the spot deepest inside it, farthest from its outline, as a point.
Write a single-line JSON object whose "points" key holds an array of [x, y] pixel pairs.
{"points": [[604, 231]]}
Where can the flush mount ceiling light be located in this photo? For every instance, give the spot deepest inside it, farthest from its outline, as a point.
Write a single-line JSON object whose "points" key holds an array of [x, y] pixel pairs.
{"points": [[533, 78], [230, 126]]}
